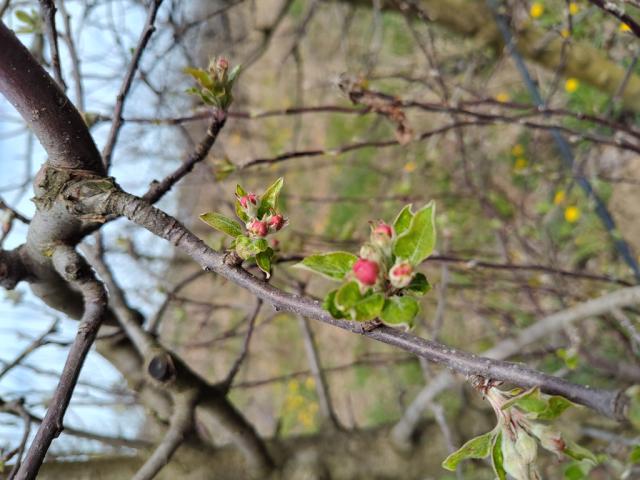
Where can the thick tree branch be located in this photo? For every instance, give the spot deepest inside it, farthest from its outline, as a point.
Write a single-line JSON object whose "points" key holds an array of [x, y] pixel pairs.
{"points": [[73, 269], [42, 104]]}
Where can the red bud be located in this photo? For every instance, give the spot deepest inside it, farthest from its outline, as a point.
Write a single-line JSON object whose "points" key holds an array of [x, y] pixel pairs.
{"points": [[258, 228], [276, 221], [366, 271]]}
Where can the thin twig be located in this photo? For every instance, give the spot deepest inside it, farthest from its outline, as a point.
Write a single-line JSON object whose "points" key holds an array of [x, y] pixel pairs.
{"points": [[49, 20], [147, 31]]}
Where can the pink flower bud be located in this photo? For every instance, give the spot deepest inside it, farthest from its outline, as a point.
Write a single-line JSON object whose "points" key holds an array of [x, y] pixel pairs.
{"points": [[258, 228], [366, 271], [401, 274], [276, 222], [383, 229], [249, 198], [222, 63], [381, 236]]}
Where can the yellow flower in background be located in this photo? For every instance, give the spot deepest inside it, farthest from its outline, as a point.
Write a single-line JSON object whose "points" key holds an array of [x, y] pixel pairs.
{"points": [[565, 33], [571, 85], [559, 197], [572, 214], [574, 8], [536, 10], [503, 97], [624, 27], [310, 383], [409, 167], [520, 164], [517, 150]]}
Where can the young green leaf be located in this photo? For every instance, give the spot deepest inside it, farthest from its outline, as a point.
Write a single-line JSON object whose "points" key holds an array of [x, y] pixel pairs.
{"points": [[403, 220], [269, 199], [400, 311], [575, 451], [330, 306], [478, 447], [418, 241], [334, 265], [556, 405], [263, 260], [497, 458], [248, 247], [419, 284], [368, 308], [201, 76], [222, 223], [347, 296]]}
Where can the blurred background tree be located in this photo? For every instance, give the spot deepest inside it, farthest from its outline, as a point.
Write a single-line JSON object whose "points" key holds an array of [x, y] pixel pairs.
{"points": [[519, 119]]}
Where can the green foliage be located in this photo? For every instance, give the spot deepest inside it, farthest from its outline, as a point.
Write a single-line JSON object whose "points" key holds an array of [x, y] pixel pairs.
{"points": [[32, 22], [215, 83], [261, 217], [334, 265], [400, 311], [417, 242], [221, 223], [381, 283], [478, 447], [513, 442]]}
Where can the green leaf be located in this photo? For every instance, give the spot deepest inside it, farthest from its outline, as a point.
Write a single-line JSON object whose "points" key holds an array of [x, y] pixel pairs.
{"points": [[542, 406], [330, 306], [240, 191], [497, 458], [368, 308], [347, 296], [222, 223], [248, 247], [575, 451], [201, 76], [269, 199], [233, 74], [400, 311], [418, 241], [403, 220], [419, 284], [24, 17], [263, 260], [334, 265], [478, 447], [556, 405], [576, 471]]}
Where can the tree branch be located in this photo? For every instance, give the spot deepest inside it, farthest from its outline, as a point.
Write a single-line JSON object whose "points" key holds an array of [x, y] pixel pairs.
{"points": [[42, 104], [608, 403], [74, 269]]}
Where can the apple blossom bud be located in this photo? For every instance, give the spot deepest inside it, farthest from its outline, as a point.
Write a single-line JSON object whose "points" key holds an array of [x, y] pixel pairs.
{"points": [[249, 198], [401, 274], [258, 228], [382, 235], [550, 439], [370, 252], [222, 63], [276, 222], [526, 446], [366, 271]]}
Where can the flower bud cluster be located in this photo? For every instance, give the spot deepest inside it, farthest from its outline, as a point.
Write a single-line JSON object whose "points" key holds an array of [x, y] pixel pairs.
{"points": [[376, 266], [263, 225]]}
